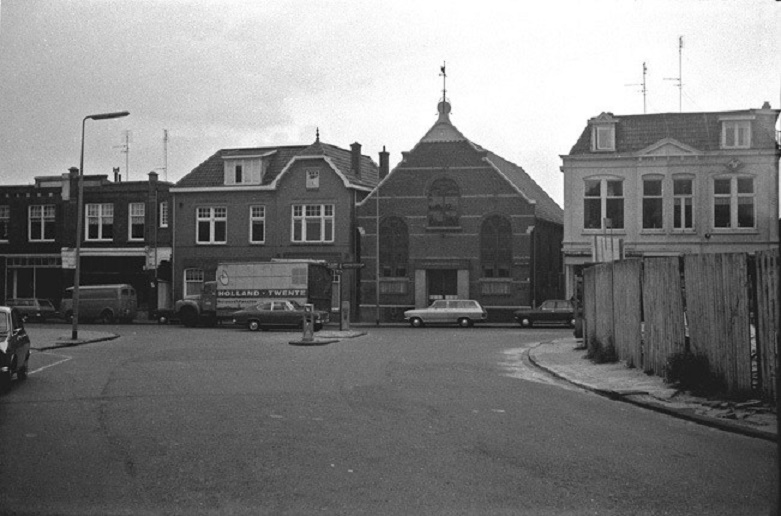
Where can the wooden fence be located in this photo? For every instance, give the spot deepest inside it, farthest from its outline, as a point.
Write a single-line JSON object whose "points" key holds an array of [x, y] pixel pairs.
{"points": [[648, 310]]}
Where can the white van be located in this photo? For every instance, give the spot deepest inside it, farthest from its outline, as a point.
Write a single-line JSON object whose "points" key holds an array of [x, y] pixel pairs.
{"points": [[107, 303]]}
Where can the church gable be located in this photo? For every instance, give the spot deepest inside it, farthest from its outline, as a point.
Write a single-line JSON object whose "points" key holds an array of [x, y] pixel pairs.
{"points": [[668, 147]]}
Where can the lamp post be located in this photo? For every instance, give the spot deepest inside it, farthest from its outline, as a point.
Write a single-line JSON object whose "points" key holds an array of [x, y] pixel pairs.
{"points": [[80, 218]]}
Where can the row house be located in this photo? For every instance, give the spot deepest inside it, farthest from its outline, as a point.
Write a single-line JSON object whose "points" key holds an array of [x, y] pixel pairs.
{"points": [[126, 238], [454, 220], [668, 184], [264, 203]]}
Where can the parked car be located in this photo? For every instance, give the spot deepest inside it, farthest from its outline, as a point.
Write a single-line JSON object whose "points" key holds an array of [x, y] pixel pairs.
{"points": [[552, 311], [33, 309], [277, 314], [464, 312], [14, 347]]}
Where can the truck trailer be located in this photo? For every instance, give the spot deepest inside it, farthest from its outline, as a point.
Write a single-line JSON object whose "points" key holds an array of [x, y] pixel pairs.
{"points": [[239, 285]]}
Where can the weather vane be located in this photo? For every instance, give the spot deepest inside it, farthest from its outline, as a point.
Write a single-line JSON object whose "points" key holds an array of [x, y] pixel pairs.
{"points": [[444, 81]]}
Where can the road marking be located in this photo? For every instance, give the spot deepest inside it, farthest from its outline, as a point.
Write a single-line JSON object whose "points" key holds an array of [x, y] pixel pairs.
{"points": [[65, 358]]}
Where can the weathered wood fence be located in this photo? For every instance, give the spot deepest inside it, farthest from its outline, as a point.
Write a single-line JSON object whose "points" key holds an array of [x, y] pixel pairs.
{"points": [[646, 311]]}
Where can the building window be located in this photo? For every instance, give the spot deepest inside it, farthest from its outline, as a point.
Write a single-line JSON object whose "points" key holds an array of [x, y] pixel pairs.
{"points": [[733, 203], [312, 179], [394, 248], [496, 247], [193, 282], [257, 224], [243, 171], [604, 137], [736, 134], [683, 201], [603, 204], [41, 223], [212, 225], [443, 199], [313, 223], [100, 222], [163, 214], [238, 174], [5, 222], [653, 208], [137, 212]]}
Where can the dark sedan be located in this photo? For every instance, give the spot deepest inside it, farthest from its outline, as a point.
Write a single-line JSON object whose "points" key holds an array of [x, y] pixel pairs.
{"points": [[277, 314], [552, 311], [33, 309]]}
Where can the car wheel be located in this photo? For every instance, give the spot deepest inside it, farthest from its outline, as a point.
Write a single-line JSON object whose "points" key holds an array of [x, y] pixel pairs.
{"points": [[572, 323], [21, 374], [465, 322], [253, 325], [526, 322], [416, 322], [107, 317], [189, 317]]}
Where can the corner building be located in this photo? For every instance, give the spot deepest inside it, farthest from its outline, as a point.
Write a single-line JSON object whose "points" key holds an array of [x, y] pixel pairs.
{"points": [[457, 221]]}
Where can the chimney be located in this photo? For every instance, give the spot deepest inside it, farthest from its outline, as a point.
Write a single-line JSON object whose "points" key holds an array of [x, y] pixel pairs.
{"points": [[383, 163], [73, 171], [117, 177], [356, 159], [153, 177]]}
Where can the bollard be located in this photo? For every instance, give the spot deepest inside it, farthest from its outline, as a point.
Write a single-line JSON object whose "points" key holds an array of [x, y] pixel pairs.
{"points": [[344, 321], [309, 323]]}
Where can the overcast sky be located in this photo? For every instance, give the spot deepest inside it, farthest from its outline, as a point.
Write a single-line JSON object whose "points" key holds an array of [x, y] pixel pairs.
{"points": [[523, 77]]}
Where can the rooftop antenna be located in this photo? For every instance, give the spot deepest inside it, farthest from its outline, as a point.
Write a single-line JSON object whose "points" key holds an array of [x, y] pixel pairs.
{"points": [[679, 79], [165, 154], [125, 149], [643, 90], [443, 74]]}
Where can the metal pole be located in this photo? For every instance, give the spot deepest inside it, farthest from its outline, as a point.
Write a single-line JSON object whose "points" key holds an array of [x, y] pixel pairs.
{"points": [[377, 253], [79, 229], [80, 218]]}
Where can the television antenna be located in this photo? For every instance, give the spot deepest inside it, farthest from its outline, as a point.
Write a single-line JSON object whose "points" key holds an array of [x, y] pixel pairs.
{"points": [[125, 149], [679, 79], [643, 88]]}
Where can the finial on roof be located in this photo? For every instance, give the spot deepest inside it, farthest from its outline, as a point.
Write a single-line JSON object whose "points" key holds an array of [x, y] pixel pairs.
{"points": [[443, 74], [317, 135]]}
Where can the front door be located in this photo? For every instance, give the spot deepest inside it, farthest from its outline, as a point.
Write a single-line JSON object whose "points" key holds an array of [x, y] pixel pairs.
{"points": [[442, 284]]}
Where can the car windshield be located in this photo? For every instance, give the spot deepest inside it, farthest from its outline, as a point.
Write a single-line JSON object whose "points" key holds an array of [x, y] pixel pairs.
{"points": [[438, 304], [296, 305], [45, 303]]}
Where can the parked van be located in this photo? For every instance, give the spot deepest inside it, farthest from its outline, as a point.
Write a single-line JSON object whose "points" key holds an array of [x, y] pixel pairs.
{"points": [[107, 303]]}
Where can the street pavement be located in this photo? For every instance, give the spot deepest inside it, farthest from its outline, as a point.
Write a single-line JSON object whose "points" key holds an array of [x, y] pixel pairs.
{"points": [[563, 358]]}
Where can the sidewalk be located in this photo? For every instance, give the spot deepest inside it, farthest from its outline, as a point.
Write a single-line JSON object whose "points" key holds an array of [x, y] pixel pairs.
{"points": [[616, 381]]}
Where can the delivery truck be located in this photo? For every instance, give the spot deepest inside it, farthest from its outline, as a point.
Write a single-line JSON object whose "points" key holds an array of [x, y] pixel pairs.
{"points": [[240, 285]]}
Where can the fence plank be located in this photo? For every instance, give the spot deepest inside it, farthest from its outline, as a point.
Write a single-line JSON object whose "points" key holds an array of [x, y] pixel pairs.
{"points": [[662, 313], [767, 263], [589, 308], [627, 310], [717, 307], [604, 305]]}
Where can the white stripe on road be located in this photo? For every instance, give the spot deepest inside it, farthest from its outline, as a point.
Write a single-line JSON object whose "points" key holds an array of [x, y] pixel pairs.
{"points": [[65, 358]]}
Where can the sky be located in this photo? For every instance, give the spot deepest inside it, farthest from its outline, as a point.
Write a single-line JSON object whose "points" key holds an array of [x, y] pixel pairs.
{"points": [[523, 77]]}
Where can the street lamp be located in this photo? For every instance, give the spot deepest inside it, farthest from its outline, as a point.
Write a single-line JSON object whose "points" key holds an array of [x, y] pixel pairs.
{"points": [[80, 217]]}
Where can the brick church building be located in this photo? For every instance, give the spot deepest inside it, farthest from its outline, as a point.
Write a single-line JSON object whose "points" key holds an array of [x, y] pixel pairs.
{"points": [[456, 221]]}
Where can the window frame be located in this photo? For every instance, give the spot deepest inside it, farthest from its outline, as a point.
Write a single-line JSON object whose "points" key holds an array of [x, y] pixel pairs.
{"points": [[105, 211], [497, 253], [682, 197], [312, 178], [604, 197], [5, 222], [254, 219], [656, 198], [198, 280], [734, 196], [163, 214], [598, 143], [302, 217], [732, 128], [394, 248], [443, 190], [131, 225], [217, 216], [46, 222]]}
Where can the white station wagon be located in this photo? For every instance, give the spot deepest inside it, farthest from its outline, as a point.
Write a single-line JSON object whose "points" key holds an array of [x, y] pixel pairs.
{"points": [[464, 312]]}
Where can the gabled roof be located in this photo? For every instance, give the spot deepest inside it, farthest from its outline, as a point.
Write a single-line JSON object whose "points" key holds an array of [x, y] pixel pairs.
{"points": [[445, 146], [701, 131], [210, 173]]}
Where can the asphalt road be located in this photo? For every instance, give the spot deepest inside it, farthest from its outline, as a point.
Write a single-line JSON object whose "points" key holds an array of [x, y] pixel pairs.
{"points": [[169, 420]]}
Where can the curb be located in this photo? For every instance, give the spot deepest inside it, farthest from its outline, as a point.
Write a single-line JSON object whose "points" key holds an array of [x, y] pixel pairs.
{"points": [[79, 342], [626, 397]]}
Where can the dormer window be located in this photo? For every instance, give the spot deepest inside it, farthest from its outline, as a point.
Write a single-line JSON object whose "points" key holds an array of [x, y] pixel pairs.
{"points": [[603, 133], [246, 170], [736, 134]]}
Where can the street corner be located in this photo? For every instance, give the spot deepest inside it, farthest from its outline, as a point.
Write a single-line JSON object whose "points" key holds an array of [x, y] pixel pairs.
{"points": [[50, 340]]}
